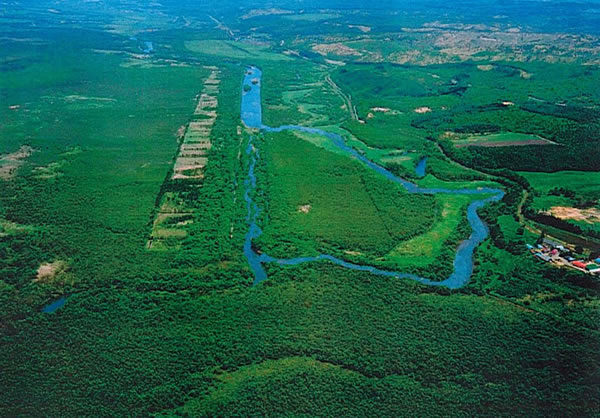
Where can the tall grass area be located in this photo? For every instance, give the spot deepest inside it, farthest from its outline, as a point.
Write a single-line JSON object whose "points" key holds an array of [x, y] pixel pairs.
{"points": [[318, 200]]}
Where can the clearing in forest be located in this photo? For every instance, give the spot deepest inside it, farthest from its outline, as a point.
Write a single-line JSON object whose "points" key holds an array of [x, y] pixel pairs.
{"points": [[590, 215], [168, 228], [9, 163], [502, 139], [48, 271], [234, 50], [192, 157]]}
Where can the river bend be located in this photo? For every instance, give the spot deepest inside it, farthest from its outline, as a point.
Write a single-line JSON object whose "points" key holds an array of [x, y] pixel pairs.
{"points": [[251, 115]]}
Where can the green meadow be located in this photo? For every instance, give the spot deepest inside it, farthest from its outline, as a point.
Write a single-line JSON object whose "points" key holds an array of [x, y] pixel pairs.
{"points": [[234, 50], [309, 206]]}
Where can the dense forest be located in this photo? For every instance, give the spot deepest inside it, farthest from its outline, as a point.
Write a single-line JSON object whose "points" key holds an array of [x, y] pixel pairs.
{"points": [[126, 290]]}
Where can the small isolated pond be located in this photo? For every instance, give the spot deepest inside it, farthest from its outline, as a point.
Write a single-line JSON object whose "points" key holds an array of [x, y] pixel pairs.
{"points": [[55, 305]]}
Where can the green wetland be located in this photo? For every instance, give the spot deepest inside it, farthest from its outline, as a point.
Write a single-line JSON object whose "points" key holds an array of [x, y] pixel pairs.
{"points": [[125, 287]]}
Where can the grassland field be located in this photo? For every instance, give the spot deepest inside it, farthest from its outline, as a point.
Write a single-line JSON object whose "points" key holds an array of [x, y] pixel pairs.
{"points": [[333, 219]]}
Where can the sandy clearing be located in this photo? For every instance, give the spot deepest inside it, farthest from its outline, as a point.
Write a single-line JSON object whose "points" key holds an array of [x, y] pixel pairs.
{"points": [[75, 97], [488, 67], [304, 208], [202, 126], [265, 12], [336, 48], [193, 153], [202, 146], [185, 163], [49, 171], [180, 132], [422, 109], [363, 29], [199, 141], [192, 157], [9, 163], [208, 113], [22, 153], [525, 74], [47, 271], [334, 62], [590, 215], [108, 51], [180, 176], [162, 217], [170, 233]]}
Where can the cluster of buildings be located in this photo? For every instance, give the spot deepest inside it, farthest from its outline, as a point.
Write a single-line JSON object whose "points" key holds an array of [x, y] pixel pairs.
{"points": [[554, 252]]}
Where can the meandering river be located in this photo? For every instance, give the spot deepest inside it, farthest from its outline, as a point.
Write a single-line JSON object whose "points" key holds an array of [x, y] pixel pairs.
{"points": [[251, 114]]}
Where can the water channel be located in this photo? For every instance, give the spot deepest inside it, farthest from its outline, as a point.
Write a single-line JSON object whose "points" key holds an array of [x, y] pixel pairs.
{"points": [[251, 114]]}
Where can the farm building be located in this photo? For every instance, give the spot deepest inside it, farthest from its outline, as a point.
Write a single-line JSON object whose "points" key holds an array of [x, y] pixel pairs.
{"points": [[579, 264]]}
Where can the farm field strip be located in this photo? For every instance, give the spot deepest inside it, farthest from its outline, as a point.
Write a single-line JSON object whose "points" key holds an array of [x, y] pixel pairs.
{"points": [[192, 157]]}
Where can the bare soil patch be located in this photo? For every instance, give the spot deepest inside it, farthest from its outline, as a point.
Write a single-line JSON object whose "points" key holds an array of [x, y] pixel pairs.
{"points": [[265, 12], [48, 271], [590, 216], [304, 208], [423, 109], [180, 132], [337, 48], [363, 29], [187, 163], [9, 163], [525, 74]]}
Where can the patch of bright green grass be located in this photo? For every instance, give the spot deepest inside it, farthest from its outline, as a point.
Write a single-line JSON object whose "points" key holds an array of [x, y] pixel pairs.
{"points": [[425, 248], [234, 50], [348, 206], [582, 183], [312, 17]]}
